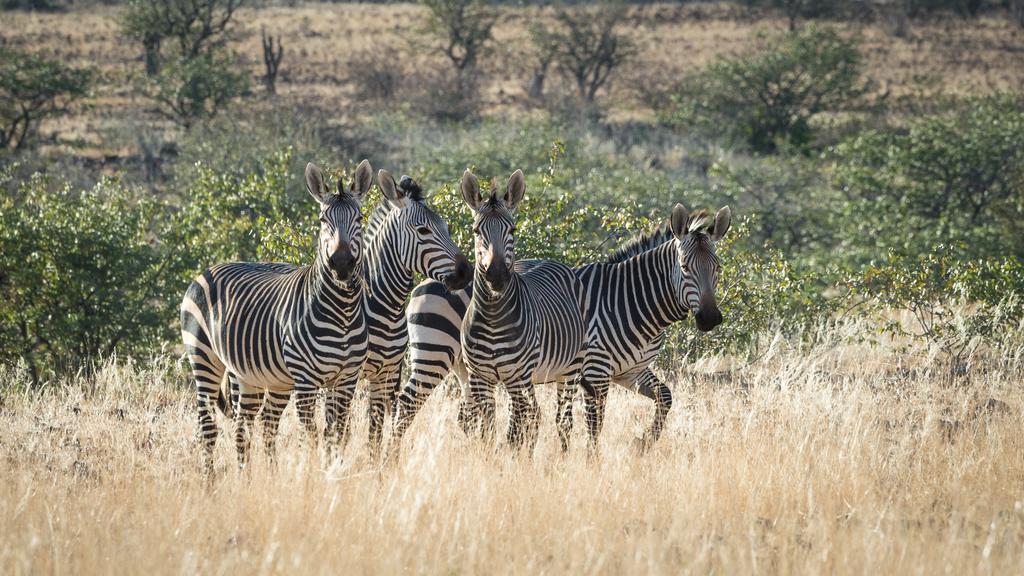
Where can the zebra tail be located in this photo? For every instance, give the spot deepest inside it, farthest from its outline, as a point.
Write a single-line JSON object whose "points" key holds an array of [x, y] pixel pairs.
{"points": [[223, 398]]}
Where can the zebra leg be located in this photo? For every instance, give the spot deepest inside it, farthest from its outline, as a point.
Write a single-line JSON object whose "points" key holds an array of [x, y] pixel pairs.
{"points": [[380, 400], [563, 415], [650, 386], [273, 407], [207, 373], [305, 407], [522, 426], [595, 397], [249, 402], [465, 417], [424, 376], [482, 408], [336, 408]]}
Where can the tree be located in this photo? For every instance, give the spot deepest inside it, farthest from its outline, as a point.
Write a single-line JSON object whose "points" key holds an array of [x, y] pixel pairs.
{"points": [[773, 95], [464, 29], [271, 61], [84, 275], [795, 10], [33, 88], [195, 26], [586, 45], [190, 90], [955, 178]]}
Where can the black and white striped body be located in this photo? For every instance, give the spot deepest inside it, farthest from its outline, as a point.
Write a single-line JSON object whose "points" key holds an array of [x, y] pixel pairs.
{"points": [[629, 302], [272, 328], [532, 333], [523, 325], [404, 237]]}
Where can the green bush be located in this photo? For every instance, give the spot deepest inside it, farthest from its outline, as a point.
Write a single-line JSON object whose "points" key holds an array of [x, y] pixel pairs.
{"points": [[789, 201], [227, 216], [84, 274], [954, 179], [33, 88], [773, 96], [956, 305], [189, 90]]}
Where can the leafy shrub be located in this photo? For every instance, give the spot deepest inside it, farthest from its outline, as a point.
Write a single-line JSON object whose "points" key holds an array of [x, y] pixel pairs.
{"points": [[773, 96], [187, 91], [463, 29], [226, 216], [196, 27], [84, 274], [586, 44], [956, 305], [33, 88], [954, 179]]}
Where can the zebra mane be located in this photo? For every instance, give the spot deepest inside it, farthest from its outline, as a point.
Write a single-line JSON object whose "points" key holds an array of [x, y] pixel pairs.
{"points": [[701, 222], [642, 243], [413, 191]]}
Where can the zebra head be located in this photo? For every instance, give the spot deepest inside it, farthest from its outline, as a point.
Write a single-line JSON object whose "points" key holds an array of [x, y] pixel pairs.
{"points": [[341, 229], [422, 241], [494, 227], [695, 236]]}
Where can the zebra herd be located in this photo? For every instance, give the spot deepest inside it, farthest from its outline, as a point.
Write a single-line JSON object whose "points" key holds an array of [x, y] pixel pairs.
{"points": [[255, 333]]}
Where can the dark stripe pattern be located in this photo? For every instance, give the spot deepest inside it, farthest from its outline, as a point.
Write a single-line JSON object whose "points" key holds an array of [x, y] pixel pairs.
{"points": [[272, 328], [629, 302]]}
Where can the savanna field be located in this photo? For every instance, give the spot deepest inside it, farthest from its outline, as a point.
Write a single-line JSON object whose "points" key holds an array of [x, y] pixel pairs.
{"points": [[860, 410]]}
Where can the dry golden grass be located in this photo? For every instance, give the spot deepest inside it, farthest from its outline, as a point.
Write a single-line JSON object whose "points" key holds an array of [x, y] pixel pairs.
{"points": [[943, 56], [832, 461]]}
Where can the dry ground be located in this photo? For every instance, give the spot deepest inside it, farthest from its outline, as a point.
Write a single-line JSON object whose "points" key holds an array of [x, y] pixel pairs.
{"points": [[322, 40], [840, 460]]}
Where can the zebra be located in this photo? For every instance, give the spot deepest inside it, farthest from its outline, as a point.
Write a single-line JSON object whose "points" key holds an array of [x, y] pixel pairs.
{"points": [[524, 323], [403, 237], [277, 327], [630, 301]]}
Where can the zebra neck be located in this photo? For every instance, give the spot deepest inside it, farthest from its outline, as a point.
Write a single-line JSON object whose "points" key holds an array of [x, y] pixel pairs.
{"points": [[389, 286], [489, 303], [656, 273], [324, 291], [389, 281]]}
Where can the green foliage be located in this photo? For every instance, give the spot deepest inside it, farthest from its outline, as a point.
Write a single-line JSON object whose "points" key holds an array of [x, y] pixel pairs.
{"points": [[956, 305], [84, 274], [773, 96], [187, 91], [587, 45], [788, 200], [227, 216], [954, 179], [33, 88], [196, 27], [463, 27]]}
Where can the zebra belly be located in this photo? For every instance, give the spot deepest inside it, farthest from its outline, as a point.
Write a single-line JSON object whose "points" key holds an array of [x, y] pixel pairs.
{"points": [[264, 375]]}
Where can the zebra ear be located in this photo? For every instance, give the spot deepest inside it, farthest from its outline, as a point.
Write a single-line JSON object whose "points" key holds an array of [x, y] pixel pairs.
{"points": [[722, 220], [391, 191], [361, 183], [470, 190], [680, 220], [515, 190], [315, 182]]}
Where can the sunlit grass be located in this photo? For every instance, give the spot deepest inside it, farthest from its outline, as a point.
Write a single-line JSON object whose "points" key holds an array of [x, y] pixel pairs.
{"points": [[838, 459]]}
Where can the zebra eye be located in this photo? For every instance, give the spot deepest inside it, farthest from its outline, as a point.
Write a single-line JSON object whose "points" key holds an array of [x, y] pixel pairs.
{"points": [[423, 230]]}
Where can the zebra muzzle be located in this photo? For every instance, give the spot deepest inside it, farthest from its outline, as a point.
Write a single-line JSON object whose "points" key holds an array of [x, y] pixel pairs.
{"points": [[461, 274]]}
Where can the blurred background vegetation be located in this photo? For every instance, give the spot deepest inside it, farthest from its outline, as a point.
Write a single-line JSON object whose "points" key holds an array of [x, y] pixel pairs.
{"points": [[872, 152]]}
